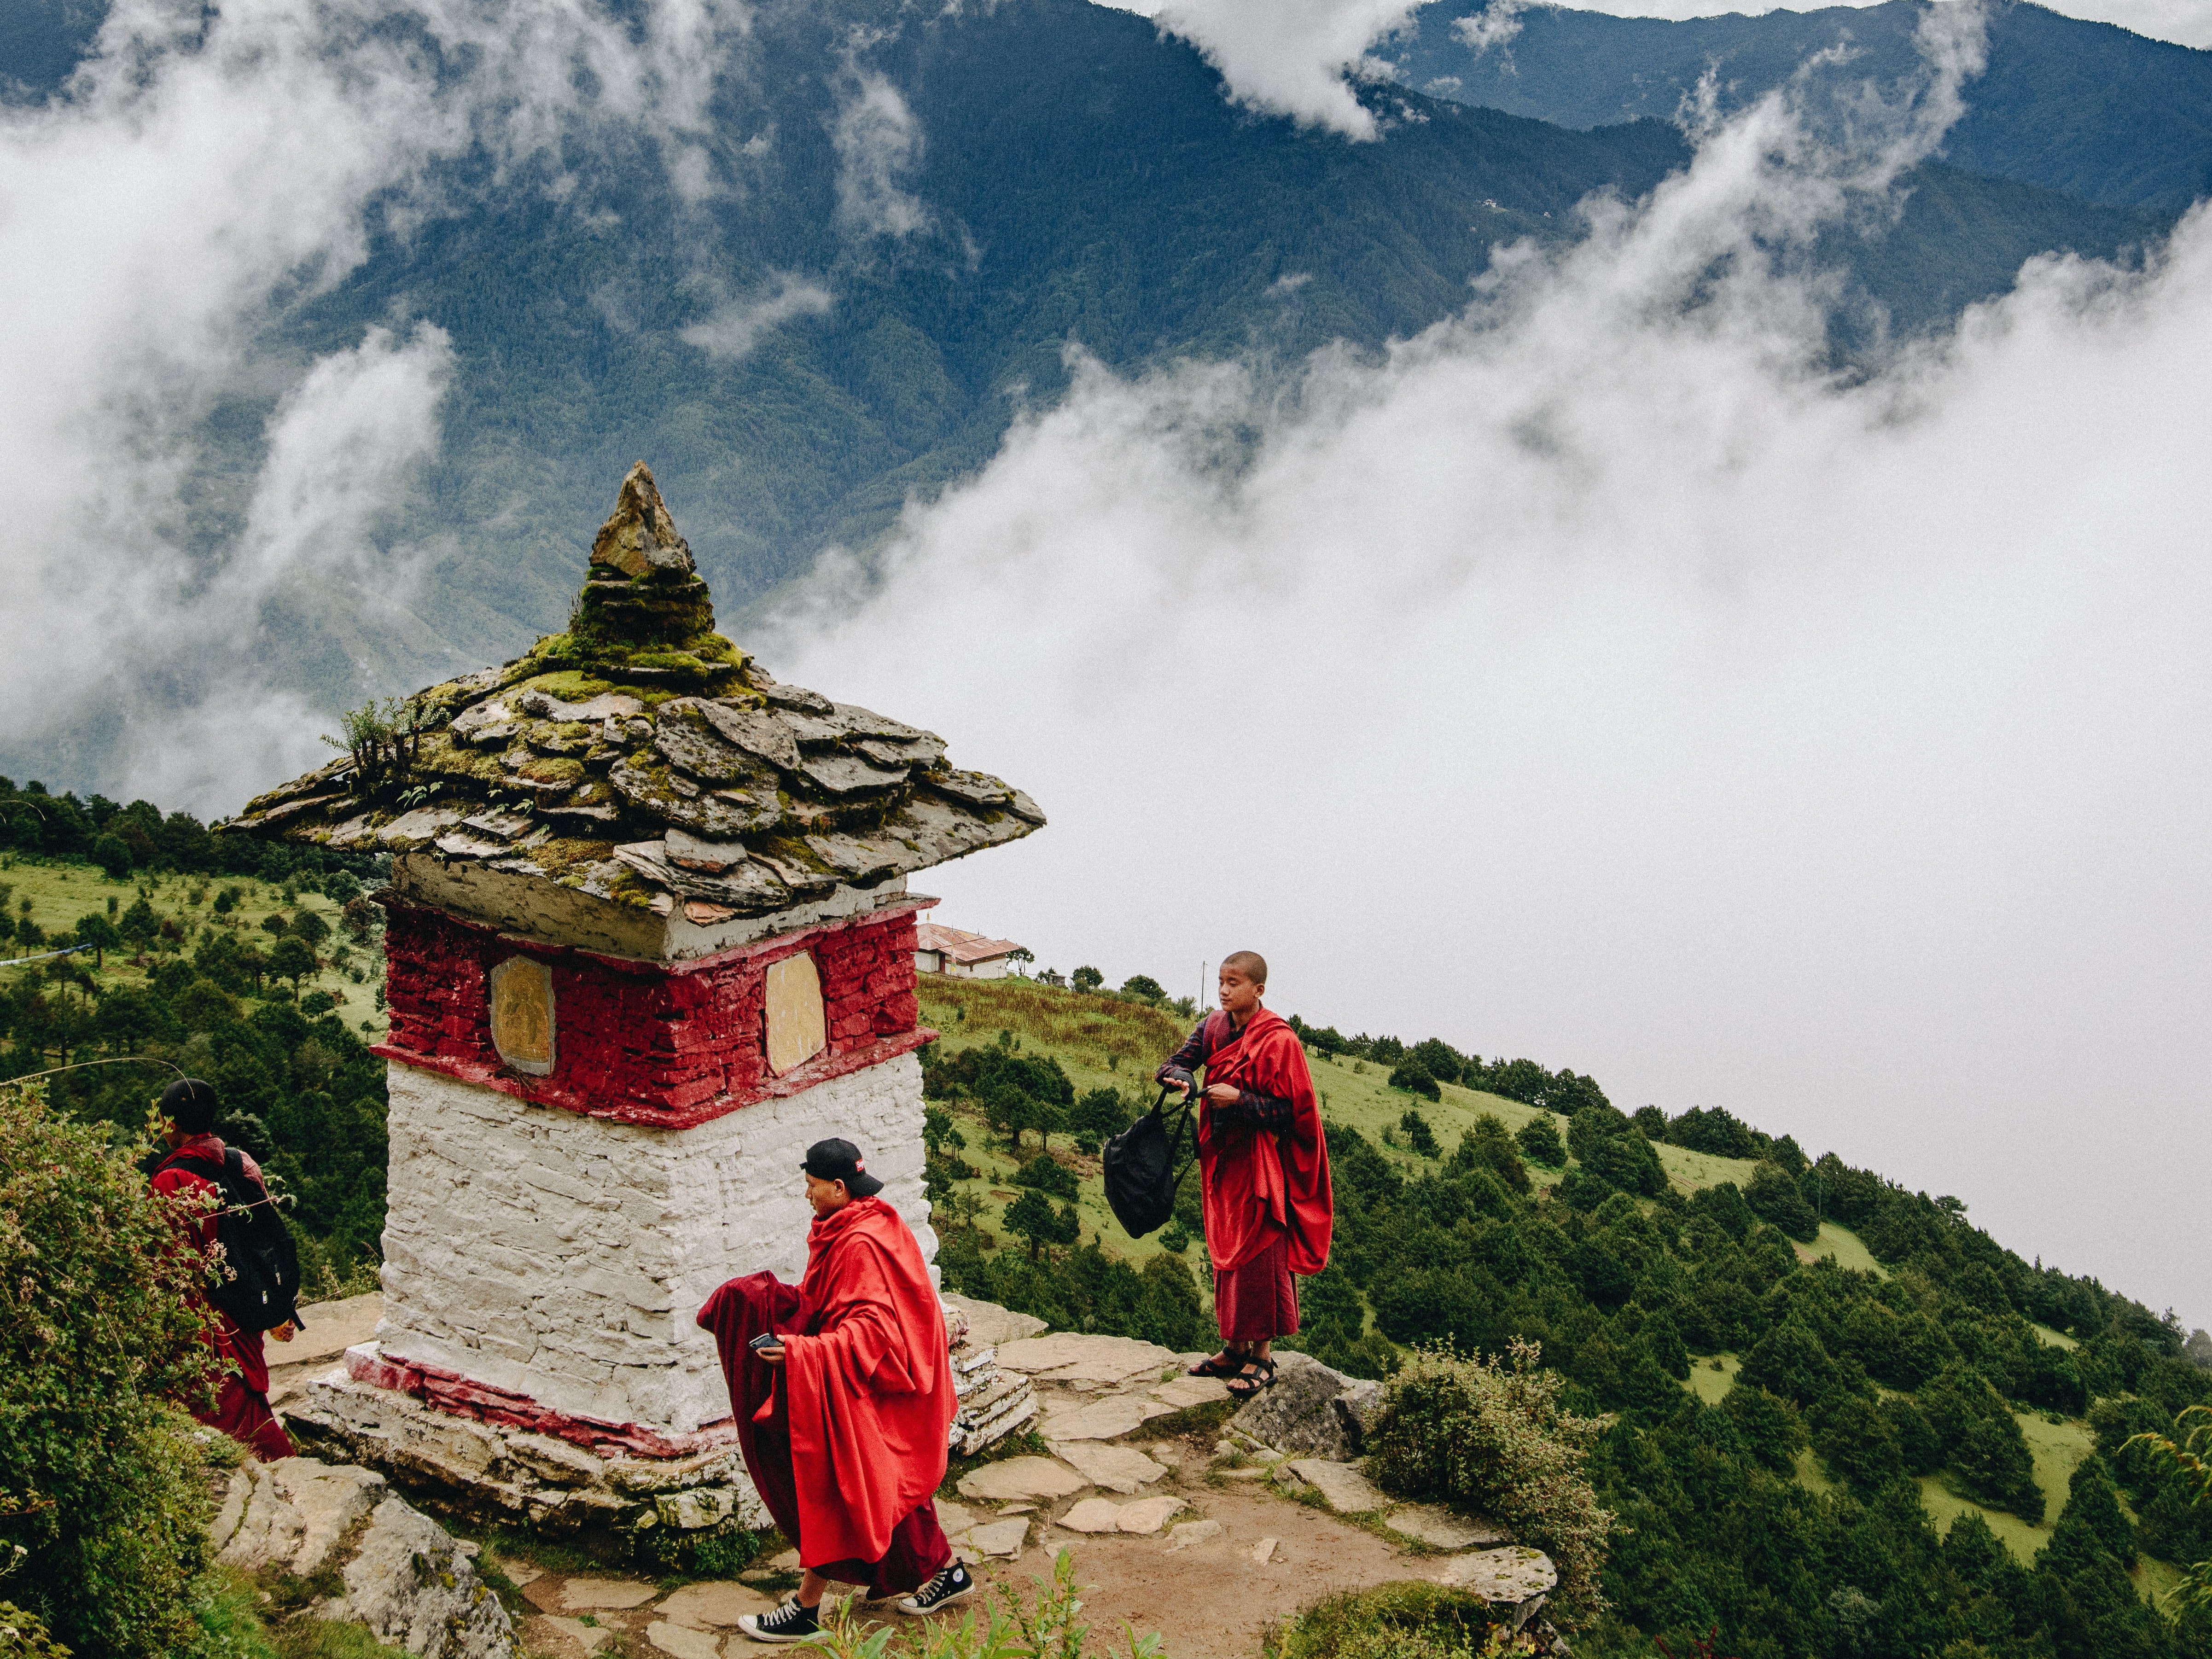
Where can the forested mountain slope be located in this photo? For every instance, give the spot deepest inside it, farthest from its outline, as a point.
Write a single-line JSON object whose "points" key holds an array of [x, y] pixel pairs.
{"points": [[793, 364], [2086, 108]]}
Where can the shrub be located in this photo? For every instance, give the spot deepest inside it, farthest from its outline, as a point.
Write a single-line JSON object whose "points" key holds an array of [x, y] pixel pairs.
{"points": [[1540, 1143], [113, 855], [1413, 1077], [1771, 1431], [103, 1479], [1419, 1135], [1048, 1175], [1398, 1621], [1144, 986], [1100, 1113], [1487, 1146], [1491, 1436], [1773, 1196]]}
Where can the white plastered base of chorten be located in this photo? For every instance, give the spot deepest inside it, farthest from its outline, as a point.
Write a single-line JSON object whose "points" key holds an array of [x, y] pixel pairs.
{"points": [[565, 1257]]}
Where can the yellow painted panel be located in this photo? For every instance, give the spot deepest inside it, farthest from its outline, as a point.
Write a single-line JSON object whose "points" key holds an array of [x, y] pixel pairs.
{"points": [[522, 1015], [797, 1028]]}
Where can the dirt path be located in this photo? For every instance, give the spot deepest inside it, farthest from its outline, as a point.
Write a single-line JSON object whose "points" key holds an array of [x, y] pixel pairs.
{"points": [[1209, 1599]]}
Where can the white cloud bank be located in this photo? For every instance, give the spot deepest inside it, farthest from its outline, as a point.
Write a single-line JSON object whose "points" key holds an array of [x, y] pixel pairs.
{"points": [[1601, 680], [205, 164]]}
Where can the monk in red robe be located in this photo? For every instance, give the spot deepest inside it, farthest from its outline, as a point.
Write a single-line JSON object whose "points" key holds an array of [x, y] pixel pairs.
{"points": [[1263, 1171], [842, 1388], [241, 1406]]}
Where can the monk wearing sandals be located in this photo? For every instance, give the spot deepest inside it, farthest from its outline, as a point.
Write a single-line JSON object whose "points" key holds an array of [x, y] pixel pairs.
{"points": [[1263, 1171]]}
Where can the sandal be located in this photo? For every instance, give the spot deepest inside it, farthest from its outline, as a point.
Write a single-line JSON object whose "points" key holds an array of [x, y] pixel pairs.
{"points": [[1222, 1364], [1254, 1375]]}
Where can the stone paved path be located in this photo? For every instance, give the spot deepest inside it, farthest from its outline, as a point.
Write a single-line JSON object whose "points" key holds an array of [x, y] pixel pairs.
{"points": [[1169, 1533]]}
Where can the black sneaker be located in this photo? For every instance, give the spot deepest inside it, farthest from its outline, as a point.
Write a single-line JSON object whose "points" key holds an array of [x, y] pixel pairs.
{"points": [[950, 1583], [788, 1623]]}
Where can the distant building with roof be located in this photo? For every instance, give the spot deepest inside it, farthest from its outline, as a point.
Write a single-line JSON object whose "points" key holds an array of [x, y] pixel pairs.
{"points": [[940, 950]]}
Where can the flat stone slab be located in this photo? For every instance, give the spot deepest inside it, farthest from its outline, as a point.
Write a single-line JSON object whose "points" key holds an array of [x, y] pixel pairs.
{"points": [[1004, 1538], [1145, 1516], [1512, 1574], [590, 1637], [1149, 1515], [1101, 1419], [953, 1518], [1344, 1486], [1011, 1480], [1442, 1529], [989, 1324], [1184, 1392], [717, 1604], [682, 1642], [1182, 1535], [604, 1595], [1264, 1551], [1093, 1515], [1069, 1356], [1117, 1469]]}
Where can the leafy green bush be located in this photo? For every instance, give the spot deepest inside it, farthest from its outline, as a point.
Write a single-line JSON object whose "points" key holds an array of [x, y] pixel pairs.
{"points": [[1047, 1174], [1420, 1135], [1773, 1196], [1398, 1621], [1540, 1143], [100, 1479], [1491, 1436], [1488, 1146], [1982, 1442], [1414, 1078]]}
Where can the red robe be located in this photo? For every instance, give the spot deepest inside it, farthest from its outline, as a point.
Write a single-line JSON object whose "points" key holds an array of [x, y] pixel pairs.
{"points": [[241, 1405], [1262, 1185], [847, 1446]]}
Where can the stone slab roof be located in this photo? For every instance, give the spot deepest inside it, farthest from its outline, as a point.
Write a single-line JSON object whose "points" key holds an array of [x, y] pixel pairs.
{"points": [[643, 758]]}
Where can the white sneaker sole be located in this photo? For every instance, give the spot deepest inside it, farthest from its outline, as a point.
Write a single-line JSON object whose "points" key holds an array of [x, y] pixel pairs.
{"points": [[912, 1611]]}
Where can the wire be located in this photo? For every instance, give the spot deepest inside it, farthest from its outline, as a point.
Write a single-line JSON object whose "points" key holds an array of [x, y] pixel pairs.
{"points": [[121, 1060]]}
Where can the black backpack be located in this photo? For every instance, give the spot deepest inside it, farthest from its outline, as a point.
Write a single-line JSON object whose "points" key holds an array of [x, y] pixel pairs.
{"points": [[1140, 1174], [259, 1287]]}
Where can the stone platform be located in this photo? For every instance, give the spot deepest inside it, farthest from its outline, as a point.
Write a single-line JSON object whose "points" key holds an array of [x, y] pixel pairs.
{"points": [[469, 1461]]}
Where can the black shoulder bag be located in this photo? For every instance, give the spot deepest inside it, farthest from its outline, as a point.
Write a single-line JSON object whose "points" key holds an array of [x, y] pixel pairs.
{"points": [[1141, 1178]]}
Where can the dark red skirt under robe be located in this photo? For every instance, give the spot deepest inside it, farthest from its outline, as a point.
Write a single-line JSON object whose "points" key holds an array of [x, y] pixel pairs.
{"points": [[1259, 1300]]}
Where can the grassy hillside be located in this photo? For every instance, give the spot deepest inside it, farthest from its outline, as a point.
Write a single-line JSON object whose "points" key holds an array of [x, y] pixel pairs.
{"points": [[1880, 1415]]}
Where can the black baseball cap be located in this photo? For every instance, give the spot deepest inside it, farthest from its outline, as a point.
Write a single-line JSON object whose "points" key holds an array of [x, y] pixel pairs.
{"points": [[840, 1160], [189, 1103]]}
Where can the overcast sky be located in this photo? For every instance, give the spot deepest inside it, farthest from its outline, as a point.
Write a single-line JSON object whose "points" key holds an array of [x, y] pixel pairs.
{"points": [[1597, 680]]}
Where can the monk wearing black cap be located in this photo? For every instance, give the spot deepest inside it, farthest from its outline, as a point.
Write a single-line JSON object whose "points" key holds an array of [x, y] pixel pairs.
{"points": [[241, 1406], [842, 1388]]}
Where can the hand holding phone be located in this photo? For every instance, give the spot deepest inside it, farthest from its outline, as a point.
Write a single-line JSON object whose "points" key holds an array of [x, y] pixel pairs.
{"points": [[769, 1346]]}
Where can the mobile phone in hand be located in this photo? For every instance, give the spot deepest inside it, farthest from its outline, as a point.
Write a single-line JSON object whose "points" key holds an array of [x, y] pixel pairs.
{"points": [[765, 1339]]}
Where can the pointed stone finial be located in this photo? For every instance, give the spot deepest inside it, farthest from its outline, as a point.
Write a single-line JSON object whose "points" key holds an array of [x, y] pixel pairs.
{"points": [[639, 535], [642, 588]]}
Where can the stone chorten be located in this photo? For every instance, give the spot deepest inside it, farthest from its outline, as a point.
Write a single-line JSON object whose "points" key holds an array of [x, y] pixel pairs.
{"points": [[649, 938]]}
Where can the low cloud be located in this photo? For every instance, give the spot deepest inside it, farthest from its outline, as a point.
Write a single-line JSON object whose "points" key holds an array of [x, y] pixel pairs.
{"points": [[1601, 678], [735, 326], [2186, 22], [202, 172], [1286, 57], [878, 142]]}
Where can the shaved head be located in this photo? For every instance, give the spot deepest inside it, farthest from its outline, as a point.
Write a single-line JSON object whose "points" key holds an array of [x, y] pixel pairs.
{"points": [[1250, 964]]}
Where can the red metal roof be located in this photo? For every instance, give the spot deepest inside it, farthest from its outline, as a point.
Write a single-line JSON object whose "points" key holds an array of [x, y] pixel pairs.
{"points": [[961, 946]]}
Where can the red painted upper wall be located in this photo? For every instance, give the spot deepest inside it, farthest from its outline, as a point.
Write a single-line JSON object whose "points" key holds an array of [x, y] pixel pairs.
{"points": [[672, 1044]]}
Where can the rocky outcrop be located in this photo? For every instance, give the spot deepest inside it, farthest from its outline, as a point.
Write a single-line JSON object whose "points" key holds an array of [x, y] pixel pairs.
{"points": [[498, 1471], [1312, 1410], [404, 1577], [641, 757]]}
